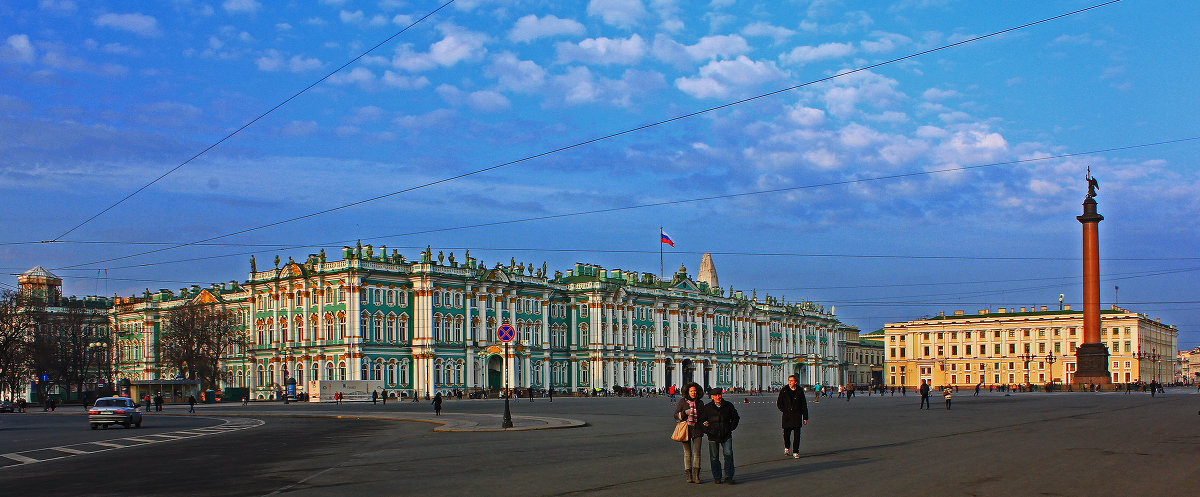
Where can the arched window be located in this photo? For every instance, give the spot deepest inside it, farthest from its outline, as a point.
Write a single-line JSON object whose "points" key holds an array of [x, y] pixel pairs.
{"points": [[329, 371], [261, 376], [404, 372], [342, 325], [283, 331], [403, 328], [271, 373], [341, 371], [390, 328], [446, 327], [365, 323], [377, 327], [437, 299], [391, 373], [328, 326], [362, 370], [316, 371], [437, 327], [584, 337]]}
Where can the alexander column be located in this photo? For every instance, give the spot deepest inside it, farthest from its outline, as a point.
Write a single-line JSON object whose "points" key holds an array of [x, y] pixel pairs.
{"points": [[1091, 358]]}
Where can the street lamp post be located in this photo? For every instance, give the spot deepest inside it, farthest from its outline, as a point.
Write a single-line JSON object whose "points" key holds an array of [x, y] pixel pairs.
{"points": [[1050, 358], [1026, 357]]}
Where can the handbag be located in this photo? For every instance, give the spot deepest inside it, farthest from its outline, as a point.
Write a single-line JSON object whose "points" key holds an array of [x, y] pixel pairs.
{"points": [[681, 432]]}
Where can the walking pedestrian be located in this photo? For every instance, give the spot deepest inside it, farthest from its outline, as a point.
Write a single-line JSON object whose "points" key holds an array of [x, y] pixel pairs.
{"points": [[191, 403], [720, 419], [795, 415], [158, 402], [978, 386], [924, 395], [817, 393], [689, 409], [946, 393], [849, 391], [384, 397], [374, 397], [550, 391], [437, 404]]}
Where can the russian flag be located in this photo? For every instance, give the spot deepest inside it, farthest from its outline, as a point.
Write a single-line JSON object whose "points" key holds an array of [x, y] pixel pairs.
{"points": [[666, 238]]}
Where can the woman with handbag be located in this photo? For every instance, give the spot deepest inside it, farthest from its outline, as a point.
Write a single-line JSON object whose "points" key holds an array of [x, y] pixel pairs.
{"points": [[688, 430]]}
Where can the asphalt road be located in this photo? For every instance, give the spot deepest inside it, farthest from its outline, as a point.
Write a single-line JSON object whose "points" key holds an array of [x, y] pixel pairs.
{"points": [[1025, 444]]}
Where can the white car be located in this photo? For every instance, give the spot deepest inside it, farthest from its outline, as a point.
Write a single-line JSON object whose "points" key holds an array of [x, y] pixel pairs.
{"points": [[114, 410]]}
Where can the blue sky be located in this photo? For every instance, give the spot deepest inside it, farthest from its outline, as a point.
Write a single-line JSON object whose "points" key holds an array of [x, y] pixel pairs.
{"points": [[99, 98]]}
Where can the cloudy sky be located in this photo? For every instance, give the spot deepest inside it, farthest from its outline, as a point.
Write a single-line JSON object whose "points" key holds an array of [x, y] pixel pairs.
{"points": [[941, 182]]}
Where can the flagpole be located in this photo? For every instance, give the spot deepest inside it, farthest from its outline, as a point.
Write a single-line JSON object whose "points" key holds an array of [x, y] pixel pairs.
{"points": [[660, 254]]}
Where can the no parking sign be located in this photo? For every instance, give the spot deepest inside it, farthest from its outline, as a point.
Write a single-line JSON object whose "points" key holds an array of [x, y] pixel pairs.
{"points": [[506, 333]]}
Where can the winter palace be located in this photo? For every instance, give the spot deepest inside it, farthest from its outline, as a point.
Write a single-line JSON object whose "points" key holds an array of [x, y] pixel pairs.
{"points": [[430, 325]]}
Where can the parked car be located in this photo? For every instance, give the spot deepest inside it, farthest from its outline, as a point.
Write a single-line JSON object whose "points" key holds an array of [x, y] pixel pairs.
{"points": [[114, 410], [7, 406]]}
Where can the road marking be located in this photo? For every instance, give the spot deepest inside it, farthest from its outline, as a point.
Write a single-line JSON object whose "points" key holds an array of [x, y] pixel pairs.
{"points": [[20, 458], [70, 450]]}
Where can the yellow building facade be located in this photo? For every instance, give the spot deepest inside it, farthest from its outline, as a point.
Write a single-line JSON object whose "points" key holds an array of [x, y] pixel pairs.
{"points": [[1020, 346]]}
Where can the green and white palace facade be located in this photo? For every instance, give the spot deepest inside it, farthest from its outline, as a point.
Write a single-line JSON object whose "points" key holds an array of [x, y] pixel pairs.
{"points": [[430, 325]]}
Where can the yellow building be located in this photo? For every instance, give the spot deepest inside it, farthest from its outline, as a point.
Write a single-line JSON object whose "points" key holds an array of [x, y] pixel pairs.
{"points": [[1035, 346]]}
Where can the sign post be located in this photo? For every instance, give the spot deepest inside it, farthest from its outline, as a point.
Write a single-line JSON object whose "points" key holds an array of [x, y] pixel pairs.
{"points": [[506, 333]]}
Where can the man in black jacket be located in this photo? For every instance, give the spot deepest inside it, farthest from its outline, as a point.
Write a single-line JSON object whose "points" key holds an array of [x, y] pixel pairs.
{"points": [[795, 415], [924, 395], [720, 419]]}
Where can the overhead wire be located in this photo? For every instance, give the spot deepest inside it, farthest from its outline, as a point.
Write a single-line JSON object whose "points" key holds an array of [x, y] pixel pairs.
{"points": [[647, 205], [605, 137], [251, 122]]}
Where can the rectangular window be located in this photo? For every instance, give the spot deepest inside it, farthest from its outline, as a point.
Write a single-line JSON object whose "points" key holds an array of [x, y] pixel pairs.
{"points": [[954, 350], [968, 350]]}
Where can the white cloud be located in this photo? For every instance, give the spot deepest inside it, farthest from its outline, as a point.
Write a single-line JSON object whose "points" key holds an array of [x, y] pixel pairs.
{"points": [[298, 128], [711, 47], [806, 54], [358, 17], [603, 50], [619, 13], [241, 6], [403, 82], [884, 42], [17, 48], [140, 24], [457, 45], [934, 94], [971, 146], [488, 101], [1043, 187], [777, 33], [807, 117], [300, 63], [851, 91], [64, 7], [720, 78], [532, 27], [580, 86], [515, 74], [358, 76]]}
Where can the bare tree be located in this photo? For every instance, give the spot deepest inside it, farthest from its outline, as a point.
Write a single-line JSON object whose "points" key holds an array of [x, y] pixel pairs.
{"points": [[16, 334], [67, 345], [195, 339]]}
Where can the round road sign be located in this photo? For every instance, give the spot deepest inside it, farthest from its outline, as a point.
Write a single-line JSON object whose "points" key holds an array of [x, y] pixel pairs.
{"points": [[506, 333]]}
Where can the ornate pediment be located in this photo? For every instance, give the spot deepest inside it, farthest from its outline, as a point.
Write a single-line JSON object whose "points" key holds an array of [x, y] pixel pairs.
{"points": [[206, 297]]}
